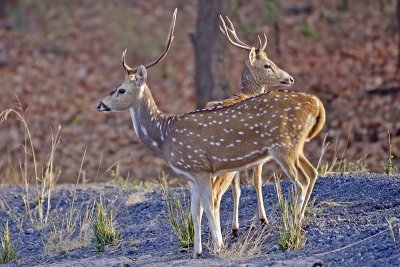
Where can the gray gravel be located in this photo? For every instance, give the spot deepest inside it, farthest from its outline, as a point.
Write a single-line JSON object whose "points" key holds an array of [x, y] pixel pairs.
{"points": [[347, 227]]}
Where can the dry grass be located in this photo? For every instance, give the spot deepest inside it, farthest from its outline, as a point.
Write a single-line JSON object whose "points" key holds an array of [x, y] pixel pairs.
{"points": [[69, 237], [393, 223], [250, 243], [338, 162], [388, 167], [180, 216], [44, 177], [8, 252], [291, 236], [74, 232], [68, 231]]}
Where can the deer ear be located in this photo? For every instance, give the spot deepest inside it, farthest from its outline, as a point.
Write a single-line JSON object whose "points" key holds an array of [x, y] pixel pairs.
{"points": [[252, 56], [141, 76]]}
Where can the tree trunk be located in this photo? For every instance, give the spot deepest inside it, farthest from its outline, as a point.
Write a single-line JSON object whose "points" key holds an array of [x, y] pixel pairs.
{"points": [[3, 8], [398, 33], [277, 28], [211, 54]]}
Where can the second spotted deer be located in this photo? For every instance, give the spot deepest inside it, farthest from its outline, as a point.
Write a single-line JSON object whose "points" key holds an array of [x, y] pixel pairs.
{"points": [[259, 73]]}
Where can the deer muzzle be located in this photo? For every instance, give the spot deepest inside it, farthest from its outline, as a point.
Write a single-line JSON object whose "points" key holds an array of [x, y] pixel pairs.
{"points": [[288, 81], [101, 107]]}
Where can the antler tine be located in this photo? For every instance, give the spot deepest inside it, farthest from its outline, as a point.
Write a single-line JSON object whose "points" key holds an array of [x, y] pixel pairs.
{"points": [[259, 43], [233, 32], [222, 30], [226, 31], [265, 43], [167, 44], [128, 69]]}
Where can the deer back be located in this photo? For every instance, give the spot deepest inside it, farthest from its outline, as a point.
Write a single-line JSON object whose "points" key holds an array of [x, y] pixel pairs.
{"points": [[233, 136]]}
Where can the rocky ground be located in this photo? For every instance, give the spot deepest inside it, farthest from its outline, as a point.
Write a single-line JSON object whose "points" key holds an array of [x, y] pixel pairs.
{"points": [[347, 226]]}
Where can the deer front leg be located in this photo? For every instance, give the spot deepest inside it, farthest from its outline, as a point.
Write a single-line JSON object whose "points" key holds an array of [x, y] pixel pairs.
{"points": [[204, 187], [236, 196], [257, 177], [197, 213]]}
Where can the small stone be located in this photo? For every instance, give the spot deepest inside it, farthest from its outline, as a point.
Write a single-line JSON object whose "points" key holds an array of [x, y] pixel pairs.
{"points": [[29, 231]]}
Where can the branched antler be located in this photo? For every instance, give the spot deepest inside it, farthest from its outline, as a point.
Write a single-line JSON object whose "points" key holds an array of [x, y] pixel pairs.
{"points": [[227, 31], [160, 57]]}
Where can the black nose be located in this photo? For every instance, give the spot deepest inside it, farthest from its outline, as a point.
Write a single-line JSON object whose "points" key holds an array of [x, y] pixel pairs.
{"points": [[102, 107], [289, 81]]}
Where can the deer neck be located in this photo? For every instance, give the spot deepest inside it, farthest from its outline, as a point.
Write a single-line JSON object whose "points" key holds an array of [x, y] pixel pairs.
{"points": [[148, 121], [249, 84]]}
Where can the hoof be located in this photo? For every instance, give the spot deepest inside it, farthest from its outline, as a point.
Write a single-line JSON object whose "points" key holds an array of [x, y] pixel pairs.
{"points": [[263, 222], [197, 255], [234, 233]]}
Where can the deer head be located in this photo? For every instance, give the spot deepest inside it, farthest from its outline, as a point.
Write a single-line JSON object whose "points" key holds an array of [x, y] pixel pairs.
{"points": [[126, 95], [259, 71]]}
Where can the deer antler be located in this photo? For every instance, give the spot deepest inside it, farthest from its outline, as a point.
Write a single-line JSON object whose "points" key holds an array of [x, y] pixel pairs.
{"points": [[265, 43], [160, 57], [238, 43], [225, 31]]}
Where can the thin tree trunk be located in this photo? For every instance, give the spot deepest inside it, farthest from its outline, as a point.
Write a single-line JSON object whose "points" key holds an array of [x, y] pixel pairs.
{"points": [[398, 33], [277, 28], [211, 54]]}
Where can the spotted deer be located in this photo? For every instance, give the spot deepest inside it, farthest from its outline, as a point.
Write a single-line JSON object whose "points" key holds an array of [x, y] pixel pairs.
{"points": [[258, 74], [206, 143]]}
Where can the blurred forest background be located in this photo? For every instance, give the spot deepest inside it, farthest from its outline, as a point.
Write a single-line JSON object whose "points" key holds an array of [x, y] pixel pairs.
{"points": [[61, 57]]}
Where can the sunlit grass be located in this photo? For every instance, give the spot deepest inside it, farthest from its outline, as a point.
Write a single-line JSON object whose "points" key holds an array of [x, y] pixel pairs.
{"points": [[180, 217], [103, 228], [8, 252], [291, 236]]}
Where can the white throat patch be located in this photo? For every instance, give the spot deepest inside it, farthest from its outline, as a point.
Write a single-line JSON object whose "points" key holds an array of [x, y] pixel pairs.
{"points": [[134, 122]]}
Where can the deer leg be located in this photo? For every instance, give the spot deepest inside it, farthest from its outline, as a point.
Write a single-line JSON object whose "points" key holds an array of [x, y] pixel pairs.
{"points": [[204, 187], [216, 186], [290, 165], [197, 213], [257, 177], [236, 196], [219, 186], [305, 182], [313, 175]]}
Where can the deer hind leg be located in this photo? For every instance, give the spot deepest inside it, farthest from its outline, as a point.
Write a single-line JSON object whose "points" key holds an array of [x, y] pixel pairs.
{"points": [[197, 212], [236, 191], [257, 177], [313, 175], [204, 187], [291, 166], [219, 186]]}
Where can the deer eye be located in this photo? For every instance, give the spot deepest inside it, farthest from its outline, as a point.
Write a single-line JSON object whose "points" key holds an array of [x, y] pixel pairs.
{"points": [[267, 66], [121, 91]]}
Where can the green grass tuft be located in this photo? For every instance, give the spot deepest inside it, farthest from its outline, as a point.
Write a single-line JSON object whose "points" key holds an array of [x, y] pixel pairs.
{"points": [[291, 236], [179, 217], [103, 228], [8, 252]]}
